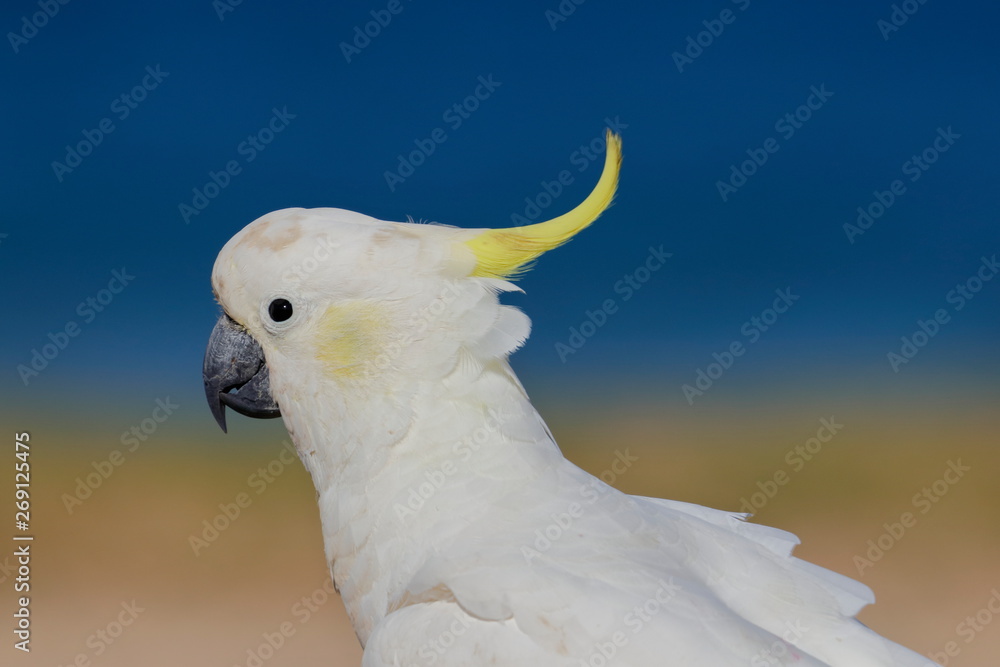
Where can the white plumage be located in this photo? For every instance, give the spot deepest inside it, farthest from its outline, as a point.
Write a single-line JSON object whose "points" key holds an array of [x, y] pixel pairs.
{"points": [[455, 530]]}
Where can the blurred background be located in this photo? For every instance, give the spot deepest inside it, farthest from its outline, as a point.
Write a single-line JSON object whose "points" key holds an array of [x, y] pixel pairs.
{"points": [[823, 178]]}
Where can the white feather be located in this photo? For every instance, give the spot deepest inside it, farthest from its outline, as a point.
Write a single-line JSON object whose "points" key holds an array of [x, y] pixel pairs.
{"points": [[456, 531]]}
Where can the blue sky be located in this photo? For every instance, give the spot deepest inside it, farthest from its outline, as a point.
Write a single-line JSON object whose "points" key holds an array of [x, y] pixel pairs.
{"points": [[305, 113]]}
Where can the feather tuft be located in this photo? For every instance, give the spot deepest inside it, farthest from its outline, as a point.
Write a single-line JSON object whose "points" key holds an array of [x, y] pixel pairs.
{"points": [[507, 253]]}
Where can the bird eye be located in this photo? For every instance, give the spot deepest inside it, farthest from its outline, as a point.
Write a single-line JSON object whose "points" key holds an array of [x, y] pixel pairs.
{"points": [[280, 310]]}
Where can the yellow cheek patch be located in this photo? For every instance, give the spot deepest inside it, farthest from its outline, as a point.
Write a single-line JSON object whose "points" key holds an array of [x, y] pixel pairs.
{"points": [[349, 336]]}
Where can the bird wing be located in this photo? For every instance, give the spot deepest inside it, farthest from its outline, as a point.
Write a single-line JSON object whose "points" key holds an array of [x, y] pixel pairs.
{"points": [[573, 570]]}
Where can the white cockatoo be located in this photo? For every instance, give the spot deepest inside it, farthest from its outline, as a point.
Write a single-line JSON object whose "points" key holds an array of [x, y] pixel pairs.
{"points": [[455, 530]]}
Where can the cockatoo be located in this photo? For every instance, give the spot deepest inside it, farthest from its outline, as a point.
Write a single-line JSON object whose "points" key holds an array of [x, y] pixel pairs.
{"points": [[454, 528]]}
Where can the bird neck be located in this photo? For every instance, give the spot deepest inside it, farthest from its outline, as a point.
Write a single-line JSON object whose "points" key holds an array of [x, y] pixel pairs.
{"points": [[403, 467]]}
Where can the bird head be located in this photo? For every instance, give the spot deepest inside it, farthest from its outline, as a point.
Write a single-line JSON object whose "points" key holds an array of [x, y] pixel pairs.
{"points": [[313, 297]]}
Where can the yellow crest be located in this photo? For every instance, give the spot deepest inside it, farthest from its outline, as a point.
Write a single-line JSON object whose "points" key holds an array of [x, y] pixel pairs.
{"points": [[505, 253]]}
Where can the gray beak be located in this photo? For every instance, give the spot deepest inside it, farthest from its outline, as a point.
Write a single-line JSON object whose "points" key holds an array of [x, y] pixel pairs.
{"points": [[235, 361]]}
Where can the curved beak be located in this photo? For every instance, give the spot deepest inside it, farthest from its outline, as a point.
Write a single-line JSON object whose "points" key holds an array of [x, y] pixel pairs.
{"points": [[235, 361]]}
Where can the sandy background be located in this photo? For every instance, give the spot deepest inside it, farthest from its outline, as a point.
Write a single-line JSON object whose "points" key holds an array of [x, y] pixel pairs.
{"points": [[130, 541]]}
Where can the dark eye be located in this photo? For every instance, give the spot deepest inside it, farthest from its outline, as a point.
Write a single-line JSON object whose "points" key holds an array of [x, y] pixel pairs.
{"points": [[280, 310]]}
